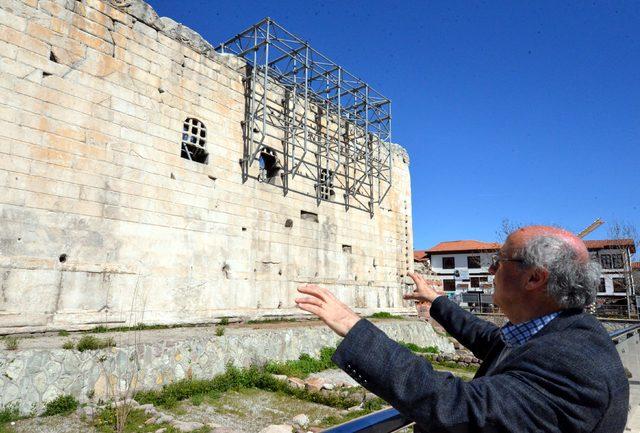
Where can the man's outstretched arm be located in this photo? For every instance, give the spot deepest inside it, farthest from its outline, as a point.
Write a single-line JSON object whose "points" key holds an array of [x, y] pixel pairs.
{"points": [[474, 333]]}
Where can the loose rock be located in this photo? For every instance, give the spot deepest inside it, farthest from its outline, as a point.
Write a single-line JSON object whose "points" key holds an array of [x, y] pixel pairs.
{"points": [[302, 420], [295, 382]]}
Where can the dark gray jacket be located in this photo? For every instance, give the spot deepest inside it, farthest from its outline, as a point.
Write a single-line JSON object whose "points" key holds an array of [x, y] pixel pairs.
{"points": [[567, 378]]}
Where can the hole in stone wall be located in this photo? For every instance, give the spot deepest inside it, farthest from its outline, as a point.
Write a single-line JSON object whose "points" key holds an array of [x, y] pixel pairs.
{"points": [[62, 258], [173, 176], [269, 164], [244, 229], [288, 223], [46, 74], [53, 57], [309, 216], [213, 178], [225, 270], [346, 248], [160, 90]]}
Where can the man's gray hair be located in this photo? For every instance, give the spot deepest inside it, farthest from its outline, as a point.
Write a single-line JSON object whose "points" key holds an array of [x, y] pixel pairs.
{"points": [[572, 281]]}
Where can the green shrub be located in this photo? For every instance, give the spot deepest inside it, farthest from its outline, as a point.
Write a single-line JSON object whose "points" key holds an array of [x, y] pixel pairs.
{"points": [[100, 329], [419, 349], [235, 379], [304, 365], [11, 342], [385, 315], [219, 331], [63, 405], [89, 342], [64, 333], [9, 413], [224, 321], [68, 345]]}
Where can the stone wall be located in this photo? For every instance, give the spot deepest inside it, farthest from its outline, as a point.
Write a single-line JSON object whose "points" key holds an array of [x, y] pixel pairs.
{"points": [[41, 371], [103, 222]]}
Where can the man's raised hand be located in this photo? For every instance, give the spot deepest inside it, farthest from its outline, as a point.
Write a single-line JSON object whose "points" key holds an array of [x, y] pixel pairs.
{"points": [[426, 289], [328, 308]]}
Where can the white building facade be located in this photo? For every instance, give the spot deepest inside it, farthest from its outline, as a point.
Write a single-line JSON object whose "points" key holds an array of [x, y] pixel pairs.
{"points": [[464, 265]]}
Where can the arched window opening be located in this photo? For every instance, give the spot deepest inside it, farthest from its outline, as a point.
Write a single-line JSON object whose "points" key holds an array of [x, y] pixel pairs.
{"points": [[194, 141]]}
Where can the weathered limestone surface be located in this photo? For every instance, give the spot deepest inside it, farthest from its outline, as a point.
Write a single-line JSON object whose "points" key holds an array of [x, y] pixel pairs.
{"points": [[102, 221], [32, 376]]}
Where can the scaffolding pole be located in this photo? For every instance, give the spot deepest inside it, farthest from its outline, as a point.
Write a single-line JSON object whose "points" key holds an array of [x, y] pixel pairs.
{"points": [[323, 123]]}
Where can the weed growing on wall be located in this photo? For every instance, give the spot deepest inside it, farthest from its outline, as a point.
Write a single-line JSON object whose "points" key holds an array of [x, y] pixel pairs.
{"points": [[415, 348], [304, 365], [385, 315], [219, 330], [89, 342], [9, 413], [62, 405], [64, 333], [11, 342]]}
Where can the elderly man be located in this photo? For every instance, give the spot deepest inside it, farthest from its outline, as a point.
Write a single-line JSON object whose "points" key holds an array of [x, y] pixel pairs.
{"points": [[552, 368]]}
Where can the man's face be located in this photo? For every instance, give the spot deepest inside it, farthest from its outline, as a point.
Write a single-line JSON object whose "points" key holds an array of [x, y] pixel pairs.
{"points": [[509, 277]]}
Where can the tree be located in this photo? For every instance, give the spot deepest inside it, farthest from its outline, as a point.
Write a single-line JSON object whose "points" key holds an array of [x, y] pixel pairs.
{"points": [[624, 230], [506, 228]]}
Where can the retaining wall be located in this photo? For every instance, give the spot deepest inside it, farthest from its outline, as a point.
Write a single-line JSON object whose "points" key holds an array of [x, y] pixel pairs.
{"points": [[41, 370]]}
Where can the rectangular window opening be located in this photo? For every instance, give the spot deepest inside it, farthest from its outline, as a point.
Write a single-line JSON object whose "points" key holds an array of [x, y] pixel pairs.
{"points": [[346, 248], [473, 262], [449, 285], [617, 261], [448, 263], [602, 288], [309, 216], [619, 285]]}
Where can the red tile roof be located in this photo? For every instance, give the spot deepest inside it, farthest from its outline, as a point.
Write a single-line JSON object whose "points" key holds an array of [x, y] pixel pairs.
{"points": [[607, 243], [469, 245], [419, 255]]}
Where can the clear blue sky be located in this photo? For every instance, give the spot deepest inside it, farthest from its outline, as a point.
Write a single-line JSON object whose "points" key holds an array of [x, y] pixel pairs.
{"points": [[522, 110]]}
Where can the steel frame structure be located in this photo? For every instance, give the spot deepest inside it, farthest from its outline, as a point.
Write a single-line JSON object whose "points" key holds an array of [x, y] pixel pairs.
{"points": [[325, 124]]}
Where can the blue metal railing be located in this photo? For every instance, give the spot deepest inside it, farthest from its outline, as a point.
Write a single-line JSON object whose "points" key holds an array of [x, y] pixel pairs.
{"points": [[390, 420]]}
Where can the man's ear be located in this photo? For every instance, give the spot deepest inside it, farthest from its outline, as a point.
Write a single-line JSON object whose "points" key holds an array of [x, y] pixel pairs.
{"points": [[538, 279]]}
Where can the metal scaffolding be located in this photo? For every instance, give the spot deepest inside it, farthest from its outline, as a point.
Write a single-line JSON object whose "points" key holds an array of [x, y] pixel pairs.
{"points": [[308, 118]]}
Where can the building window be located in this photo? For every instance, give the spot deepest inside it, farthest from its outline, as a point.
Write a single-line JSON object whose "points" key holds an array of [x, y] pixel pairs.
{"points": [[326, 184], [605, 260], [269, 165], [194, 141], [602, 288], [448, 263], [309, 216], [617, 261], [473, 262], [449, 285], [619, 285], [475, 281]]}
